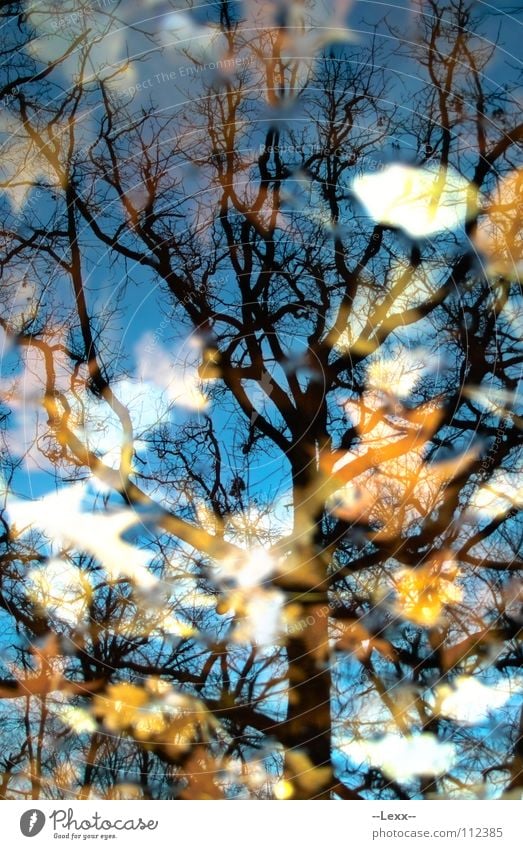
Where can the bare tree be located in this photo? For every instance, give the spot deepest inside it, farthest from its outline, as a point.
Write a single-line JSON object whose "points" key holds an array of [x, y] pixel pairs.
{"points": [[260, 297]]}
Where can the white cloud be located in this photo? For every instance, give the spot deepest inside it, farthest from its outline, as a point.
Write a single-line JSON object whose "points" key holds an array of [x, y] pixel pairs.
{"points": [[262, 621], [413, 199], [503, 492], [258, 609], [249, 570], [399, 375], [60, 517], [403, 758], [176, 374], [469, 701]]}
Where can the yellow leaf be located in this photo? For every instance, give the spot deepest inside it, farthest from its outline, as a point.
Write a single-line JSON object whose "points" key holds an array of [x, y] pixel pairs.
{"points": [[423, 593]]}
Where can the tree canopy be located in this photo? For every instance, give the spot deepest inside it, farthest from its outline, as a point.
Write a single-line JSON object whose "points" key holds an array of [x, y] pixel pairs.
{"points": [[261, 323]]}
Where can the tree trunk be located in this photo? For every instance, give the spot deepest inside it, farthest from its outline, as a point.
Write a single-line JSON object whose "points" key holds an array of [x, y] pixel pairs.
{"points": [[308, 726]]}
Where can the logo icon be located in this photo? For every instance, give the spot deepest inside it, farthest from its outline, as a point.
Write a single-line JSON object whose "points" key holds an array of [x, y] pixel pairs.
{"points": [[32, 822]]}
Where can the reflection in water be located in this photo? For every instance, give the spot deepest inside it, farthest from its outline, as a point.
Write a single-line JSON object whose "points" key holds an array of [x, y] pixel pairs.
{"points": [[261, 329]]}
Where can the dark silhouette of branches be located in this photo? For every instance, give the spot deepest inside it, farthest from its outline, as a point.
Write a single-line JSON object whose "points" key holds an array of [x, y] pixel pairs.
{"points": [[261, 306]]}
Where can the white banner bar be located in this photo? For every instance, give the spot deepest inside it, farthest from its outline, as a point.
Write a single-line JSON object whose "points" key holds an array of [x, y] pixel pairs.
{"points": [[306, 825]]}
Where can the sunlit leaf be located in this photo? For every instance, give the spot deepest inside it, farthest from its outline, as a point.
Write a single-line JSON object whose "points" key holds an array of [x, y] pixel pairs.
{"points": [[61, 589], [423, 593], [500, 232], [78, 719]]}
